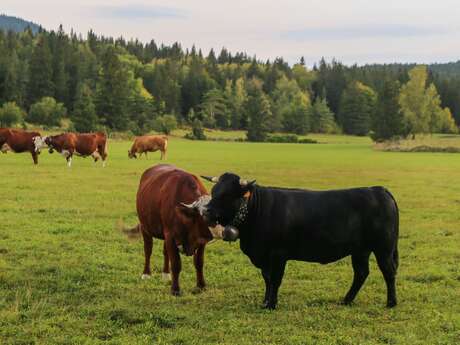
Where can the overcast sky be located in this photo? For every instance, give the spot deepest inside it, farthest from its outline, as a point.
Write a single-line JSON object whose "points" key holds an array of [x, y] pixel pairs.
{"points": [[353, 31]]}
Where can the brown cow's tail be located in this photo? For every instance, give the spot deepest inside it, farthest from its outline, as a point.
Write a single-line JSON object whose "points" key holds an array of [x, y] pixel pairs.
{"points": [[131, 233]]}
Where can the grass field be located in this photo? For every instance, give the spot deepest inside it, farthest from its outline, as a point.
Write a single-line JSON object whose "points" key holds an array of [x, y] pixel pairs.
{"points": [[68, 277]]}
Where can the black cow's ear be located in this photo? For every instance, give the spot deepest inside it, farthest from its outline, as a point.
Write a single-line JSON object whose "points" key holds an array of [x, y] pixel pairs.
{"points": [[247, 186]]}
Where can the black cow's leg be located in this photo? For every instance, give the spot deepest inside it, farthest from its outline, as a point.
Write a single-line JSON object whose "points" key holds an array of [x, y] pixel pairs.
{"points": [[360, 263], [148, 244], [266, 275], [198, 260], [176, 265], [388, 268], [277, 266]]}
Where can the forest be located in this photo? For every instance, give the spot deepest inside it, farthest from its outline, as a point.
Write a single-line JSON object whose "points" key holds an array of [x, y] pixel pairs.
{"points": [[110, 84]]}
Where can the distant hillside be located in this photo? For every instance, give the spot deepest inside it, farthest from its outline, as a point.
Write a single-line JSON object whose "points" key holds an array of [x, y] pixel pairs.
{"points": [[16, 24]]}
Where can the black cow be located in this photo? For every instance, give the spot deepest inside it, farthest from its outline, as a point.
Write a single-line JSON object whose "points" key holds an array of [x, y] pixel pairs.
{"points": [[280, 224]]}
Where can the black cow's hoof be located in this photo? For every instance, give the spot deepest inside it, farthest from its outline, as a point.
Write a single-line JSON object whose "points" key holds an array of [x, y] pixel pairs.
{"points": [[175, 293], [391, 304], [347, 302], [269, 306]]}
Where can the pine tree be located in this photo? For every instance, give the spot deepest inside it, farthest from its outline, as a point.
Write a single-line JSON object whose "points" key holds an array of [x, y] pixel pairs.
{"points": [[84, 113], [214, 111], [357, 108], [259, 114], [41, 71], [388, 118], [113, 91], [322, 118]]}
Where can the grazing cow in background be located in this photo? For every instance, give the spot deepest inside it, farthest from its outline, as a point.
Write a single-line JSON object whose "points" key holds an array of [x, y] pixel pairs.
{"points": [[19, 141], [279, 224], [149, 143], [169, 206], [85, 144]]}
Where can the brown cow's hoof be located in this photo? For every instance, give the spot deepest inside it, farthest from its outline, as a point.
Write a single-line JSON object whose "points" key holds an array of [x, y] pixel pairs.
{"points": [[166, 276], [146, 276], [198, 289]]}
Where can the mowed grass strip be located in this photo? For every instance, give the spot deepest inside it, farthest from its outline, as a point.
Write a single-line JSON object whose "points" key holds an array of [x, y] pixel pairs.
{"points": [[68, 277]]}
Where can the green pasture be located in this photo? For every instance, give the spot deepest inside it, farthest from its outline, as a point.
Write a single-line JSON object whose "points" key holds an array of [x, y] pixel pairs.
{"points": [[68, 277]]}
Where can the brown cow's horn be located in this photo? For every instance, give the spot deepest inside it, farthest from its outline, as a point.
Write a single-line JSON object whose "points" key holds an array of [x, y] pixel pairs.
{"points": [[192, 205], [211, 179]]}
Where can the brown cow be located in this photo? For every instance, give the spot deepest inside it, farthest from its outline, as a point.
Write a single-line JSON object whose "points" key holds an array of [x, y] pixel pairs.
{"points": [[169, 206], [19, 141], [149, 143], [85, 144]]}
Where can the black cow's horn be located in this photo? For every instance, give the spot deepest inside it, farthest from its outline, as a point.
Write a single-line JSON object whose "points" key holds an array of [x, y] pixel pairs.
{"points": [[245, 183], [211, 179]]}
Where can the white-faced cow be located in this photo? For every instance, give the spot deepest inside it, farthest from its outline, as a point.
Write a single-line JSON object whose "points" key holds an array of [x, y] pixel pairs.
{"points": [[275, 225], [85, 144]]}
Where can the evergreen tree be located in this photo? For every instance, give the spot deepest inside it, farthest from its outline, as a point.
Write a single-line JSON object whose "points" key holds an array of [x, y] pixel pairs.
{"points": [[322, 118], [388, 118], [84, 113], [259, 114], [357, 108], [213, 110], [59, 61], [291, 107], [41, 71], [113, 91]]}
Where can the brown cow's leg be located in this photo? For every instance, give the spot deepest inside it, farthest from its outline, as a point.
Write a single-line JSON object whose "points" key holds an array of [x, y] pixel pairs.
{"points": [[198, 260], [148, 244], [165, 275], [173, 254], [35, 157]]}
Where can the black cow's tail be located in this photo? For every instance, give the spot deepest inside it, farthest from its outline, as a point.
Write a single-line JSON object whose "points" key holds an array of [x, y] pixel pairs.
{"points": [[132, 233], [396, 233]]}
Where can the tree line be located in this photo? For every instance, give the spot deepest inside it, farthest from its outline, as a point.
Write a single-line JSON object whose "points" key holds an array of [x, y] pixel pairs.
{"points": [[104, 83]]}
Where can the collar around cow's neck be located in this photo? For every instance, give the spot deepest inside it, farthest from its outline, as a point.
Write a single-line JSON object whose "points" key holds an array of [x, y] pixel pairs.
{"points": [[242, 213]]}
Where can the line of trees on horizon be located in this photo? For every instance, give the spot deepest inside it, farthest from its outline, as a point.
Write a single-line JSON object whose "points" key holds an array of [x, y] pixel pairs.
{"points": [[103, 83]]}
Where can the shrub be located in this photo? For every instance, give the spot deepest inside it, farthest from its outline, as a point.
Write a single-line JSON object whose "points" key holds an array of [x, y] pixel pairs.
{"points": [[47, 112], [165, 124], [197, 131], [10, 114]]}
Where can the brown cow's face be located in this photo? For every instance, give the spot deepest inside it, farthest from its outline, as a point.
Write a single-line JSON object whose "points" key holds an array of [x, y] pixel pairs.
{"points": [[192, 230], [131, 154], [49, 142]]}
